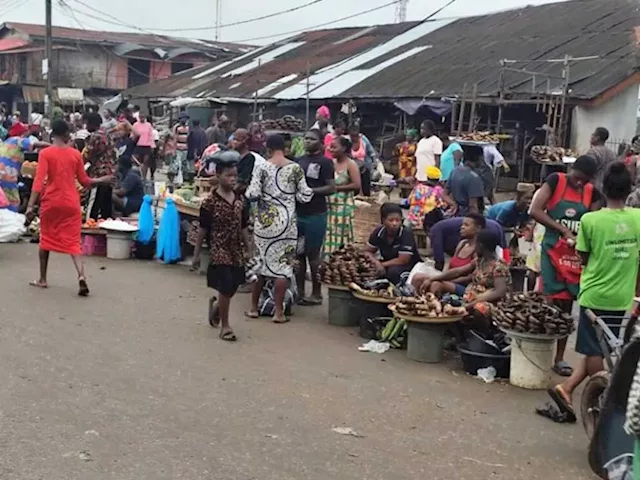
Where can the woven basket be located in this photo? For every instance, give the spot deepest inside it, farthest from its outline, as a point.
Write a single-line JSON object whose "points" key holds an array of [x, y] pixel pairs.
{"points": [[366, 218]]}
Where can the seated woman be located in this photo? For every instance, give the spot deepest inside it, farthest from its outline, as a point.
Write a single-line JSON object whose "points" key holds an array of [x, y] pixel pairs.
{"points": [[464, 255], [490, 276], [129, 192], [426, 197], [513, 213], [394, 243]]}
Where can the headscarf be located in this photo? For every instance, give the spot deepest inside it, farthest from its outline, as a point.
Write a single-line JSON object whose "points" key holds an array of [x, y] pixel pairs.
{"points": [[324, 112], [525, 187], [412, 132], [257, 137], [433, 173]]}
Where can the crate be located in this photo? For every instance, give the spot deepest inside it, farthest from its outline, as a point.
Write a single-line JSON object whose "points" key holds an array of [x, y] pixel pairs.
{"points": [[94, 244]]}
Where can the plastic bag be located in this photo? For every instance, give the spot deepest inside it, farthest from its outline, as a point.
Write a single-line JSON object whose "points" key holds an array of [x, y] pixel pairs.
{"points": [[145, 221], [4, 203], [11, 226]]}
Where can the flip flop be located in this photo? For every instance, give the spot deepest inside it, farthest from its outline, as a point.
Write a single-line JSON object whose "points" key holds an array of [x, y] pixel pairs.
{"points": [[250, 314], [281, 320], [228, 336], [309, 302], [563, 369], [214, 314], [83, 288], [559, 396], [39, 284], [552, 413]]}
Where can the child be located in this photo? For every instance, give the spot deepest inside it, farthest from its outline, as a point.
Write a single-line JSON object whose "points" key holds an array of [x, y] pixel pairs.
{"points": [[223, 217]]}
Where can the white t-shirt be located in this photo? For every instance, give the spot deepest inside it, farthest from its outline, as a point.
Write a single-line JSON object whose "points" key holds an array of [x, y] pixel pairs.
{"points": [[426, 153], [492, 157]]}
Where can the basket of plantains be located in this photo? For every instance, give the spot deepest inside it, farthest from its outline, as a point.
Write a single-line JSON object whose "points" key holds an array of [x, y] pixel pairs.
{"points": [[531, 313], [345, 266]]}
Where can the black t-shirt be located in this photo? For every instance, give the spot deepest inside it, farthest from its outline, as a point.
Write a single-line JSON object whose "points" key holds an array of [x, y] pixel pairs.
{"points": [[134, 190], [552, 181], [245, 169], [403, 243], [318, 171]]}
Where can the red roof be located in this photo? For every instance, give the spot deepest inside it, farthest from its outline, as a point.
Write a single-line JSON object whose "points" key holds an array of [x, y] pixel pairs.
{"points": [[147, 40], [11, 43]]}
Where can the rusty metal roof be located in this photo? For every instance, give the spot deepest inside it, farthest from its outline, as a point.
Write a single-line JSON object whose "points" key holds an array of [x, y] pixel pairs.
{"points": [[116, 38], [431, 59]]}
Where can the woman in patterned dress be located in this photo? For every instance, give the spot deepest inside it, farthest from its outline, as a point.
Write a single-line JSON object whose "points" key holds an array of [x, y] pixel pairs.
{"points": [[275, 186], [406, 154], [342, 203]]}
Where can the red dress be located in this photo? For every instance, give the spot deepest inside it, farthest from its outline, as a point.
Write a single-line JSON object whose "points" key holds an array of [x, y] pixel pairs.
{"points": [[60, 211]]}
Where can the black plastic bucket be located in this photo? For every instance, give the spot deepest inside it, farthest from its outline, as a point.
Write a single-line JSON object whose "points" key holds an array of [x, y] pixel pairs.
{"points": [[144, 251], [478, 344], [472, 361], [363, 310]]}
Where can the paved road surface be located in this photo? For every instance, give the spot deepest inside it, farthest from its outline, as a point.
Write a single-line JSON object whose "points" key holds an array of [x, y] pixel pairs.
{"points": [[132, 383]]}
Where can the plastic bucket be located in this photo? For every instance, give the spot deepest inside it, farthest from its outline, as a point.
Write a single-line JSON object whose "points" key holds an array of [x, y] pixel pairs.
{"points": [[340, 309], [363, 311], [119, 245], [473, 361], [425, 342], [531, 362]]}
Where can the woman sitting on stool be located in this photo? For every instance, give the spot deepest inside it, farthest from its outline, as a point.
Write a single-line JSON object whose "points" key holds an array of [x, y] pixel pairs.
{"points": [[394, 243]]}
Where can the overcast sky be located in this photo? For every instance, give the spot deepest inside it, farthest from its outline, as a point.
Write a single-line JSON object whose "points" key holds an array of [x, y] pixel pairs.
{"points": [[153, 15]]}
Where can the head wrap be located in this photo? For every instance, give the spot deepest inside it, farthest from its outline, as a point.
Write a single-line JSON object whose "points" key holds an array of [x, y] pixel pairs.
{"points": [[433, 173], [324, 112], [525, 187], [412, 132], [635, 147]]}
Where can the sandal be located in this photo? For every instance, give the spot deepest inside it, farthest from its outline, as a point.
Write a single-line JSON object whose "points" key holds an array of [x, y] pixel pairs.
{"points": [[228, 336], [281, 320], [83, 288], [214, 314], [251, 314], [559, 396], [552, 413], [39, 284], [563, 369]]}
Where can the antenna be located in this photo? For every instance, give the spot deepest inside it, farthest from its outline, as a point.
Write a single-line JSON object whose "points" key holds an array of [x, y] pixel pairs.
{"points": [[218, 19], [401, 11]]}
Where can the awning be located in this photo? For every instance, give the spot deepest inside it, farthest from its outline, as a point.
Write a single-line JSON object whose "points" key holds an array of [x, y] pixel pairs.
{"points": [[70, 94], [33, 94], [64, 96], [412, 106]]}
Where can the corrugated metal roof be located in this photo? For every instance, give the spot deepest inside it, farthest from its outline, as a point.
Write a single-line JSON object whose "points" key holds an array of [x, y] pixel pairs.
{"points": [[147, 40], [432, 59]]}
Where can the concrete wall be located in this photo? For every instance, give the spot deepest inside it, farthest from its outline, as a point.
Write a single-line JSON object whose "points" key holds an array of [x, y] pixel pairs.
{"points": [[89, 67], [618, 115]]}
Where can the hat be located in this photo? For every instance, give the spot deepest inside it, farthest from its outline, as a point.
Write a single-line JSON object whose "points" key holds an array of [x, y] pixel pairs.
{"points": [[433, 173], [324, 111], [525, 187], [183, 115]]}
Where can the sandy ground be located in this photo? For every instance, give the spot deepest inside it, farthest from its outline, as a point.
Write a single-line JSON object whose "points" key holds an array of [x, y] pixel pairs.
{"points": [[132, 383]]}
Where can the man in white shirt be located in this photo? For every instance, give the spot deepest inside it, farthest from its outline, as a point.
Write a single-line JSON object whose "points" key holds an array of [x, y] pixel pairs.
{"points": [[428, 151]]}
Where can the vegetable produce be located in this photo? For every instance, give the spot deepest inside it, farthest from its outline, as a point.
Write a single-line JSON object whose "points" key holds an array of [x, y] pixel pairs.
{"points": [[287, 122], [483, 137], [347, 265], [427, 306], [376, 289], [394, 332], [531, 313], [543, 153]]}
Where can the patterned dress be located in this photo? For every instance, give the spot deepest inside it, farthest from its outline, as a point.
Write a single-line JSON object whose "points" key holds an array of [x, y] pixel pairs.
{"points": [[276, 189], [11, 158], [340, 217], [406, 153], [484, 277]]}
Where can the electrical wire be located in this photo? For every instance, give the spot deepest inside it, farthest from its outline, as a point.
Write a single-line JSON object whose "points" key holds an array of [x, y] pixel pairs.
{"points": [[241, 22], [12, 5]]}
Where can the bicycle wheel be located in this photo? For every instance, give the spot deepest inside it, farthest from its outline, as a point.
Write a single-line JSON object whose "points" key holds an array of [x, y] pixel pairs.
{"points": [[592, 400]]}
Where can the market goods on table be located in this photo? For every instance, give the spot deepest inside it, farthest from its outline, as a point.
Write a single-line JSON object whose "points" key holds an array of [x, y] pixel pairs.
{"points": [[518, 261], [91, 223], [394, 332], [427, 306], [531, 313], [380, 289], [287, 122], [347, 265], [118, 226], [487, 137], [542, 153]]}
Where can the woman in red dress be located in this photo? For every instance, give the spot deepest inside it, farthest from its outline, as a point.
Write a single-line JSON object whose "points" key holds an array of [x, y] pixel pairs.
{"points": [[59, 166]]}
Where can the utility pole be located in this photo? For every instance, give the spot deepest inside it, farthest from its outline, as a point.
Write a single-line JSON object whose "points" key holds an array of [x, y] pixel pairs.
{"points": [[46, 63], [307, 106]]}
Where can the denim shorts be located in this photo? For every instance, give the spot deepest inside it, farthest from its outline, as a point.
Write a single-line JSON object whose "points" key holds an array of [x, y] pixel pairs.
{"points": [[587, 339]]}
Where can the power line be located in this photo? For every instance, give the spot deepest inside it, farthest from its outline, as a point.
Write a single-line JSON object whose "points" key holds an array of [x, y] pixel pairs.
{"points": [[11, 6], [313, 27], [242, 22]]}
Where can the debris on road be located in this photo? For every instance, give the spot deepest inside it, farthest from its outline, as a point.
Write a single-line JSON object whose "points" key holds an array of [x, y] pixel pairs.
{"points": [[347, 431]]}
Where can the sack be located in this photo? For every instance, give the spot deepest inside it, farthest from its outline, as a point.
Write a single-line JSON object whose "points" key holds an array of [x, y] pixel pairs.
{"points": [[11, 226], [566, 261]]}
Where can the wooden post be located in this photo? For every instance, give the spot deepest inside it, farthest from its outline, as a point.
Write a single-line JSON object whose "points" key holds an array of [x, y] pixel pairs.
{"points": [[474, 99], [462, 105], [501, 97], [454, 111]]}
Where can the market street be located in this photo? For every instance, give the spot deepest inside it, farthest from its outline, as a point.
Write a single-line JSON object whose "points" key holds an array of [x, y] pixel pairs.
{"points": [[132, 383]]}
